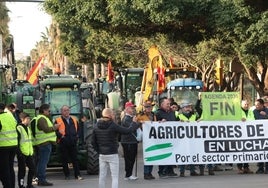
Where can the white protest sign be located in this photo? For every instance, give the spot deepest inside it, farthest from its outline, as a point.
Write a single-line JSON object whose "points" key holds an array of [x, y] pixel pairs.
{"points": [[206, 142]]}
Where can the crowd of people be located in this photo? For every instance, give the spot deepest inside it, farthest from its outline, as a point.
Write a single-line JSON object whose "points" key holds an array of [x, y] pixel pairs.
{"points": [[33, 146], [31, 141], [168, 110]]}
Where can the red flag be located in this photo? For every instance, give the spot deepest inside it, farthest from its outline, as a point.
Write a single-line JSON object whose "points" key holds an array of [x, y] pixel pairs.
{"points": [[110, 72], [32, 75], [161, 76]]}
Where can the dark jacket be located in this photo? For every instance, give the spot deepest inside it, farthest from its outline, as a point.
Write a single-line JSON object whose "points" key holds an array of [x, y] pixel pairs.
{"points": [[162, 114], [71, 134], [131, 137], [257, 113], [105, 136]]}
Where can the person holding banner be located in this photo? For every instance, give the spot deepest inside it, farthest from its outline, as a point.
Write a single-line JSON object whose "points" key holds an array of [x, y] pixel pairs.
{"points": [[187, 115], [147, 115], [247, 114], [261, 112], [164, 113], [129, 141]]}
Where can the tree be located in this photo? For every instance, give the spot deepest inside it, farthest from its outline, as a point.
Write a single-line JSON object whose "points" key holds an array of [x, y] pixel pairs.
{"points": [[4, 19], [243, 25], [96, 30]]}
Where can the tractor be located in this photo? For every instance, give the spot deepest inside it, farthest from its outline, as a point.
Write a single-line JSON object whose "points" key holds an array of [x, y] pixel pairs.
{"points": [[59, 90], [114, 95]]}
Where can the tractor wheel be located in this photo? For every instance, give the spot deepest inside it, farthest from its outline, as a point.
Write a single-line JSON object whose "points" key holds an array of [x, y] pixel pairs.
{"points": [[92, 155], [92, 160]]}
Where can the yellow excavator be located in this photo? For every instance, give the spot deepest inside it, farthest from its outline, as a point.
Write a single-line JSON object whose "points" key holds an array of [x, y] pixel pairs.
{"points": [[153, 82], [179, 82]]}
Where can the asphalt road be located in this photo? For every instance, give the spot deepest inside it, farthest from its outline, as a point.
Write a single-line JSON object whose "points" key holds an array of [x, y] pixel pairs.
{"points": [[222, 179]]}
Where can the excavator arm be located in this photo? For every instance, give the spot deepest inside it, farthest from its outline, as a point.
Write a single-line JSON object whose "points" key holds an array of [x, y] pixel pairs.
{"points": [[153, 77]]}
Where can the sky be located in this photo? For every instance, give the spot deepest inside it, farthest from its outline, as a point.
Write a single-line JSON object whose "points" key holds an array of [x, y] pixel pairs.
{"points": [[27, 22]]}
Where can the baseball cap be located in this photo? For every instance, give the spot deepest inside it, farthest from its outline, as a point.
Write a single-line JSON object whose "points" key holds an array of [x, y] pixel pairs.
{"points": [[129, 104]]}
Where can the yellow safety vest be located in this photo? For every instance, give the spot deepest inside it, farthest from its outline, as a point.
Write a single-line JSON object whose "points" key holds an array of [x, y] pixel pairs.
{"points": [[184, 118], [8, 133], [25, 142], [42, 137], [250, 115]]}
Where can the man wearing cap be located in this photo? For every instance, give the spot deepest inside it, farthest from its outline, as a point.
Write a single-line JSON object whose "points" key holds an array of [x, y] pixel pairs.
{"points": [[128, 141], [188, 115], [147, 115], [164, 113]]}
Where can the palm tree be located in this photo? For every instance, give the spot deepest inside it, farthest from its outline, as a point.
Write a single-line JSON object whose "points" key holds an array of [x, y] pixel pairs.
{"points": [[49, 48]]}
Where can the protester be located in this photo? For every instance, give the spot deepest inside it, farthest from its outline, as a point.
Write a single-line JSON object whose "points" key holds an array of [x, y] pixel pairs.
{"points": [[247, 114], [25, 151], [174, 106], [187, 115], [147, 115], [44, 138], [128, 141], [198, 112], [164, 113], [261, 112], [105, 142], [8, 147], [67, 135], [15, 111]]}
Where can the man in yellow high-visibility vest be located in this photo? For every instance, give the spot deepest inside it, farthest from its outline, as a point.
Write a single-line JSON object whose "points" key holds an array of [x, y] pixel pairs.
{"points": [[44, 138], [8, 146]]}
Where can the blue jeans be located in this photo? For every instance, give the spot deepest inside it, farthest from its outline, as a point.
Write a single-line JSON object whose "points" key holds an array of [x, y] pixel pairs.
{"points": [[148, 169], [43, 158]]}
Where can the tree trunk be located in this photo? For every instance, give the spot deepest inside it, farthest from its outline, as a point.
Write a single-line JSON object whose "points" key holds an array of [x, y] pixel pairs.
{"points": [[96, 68]]}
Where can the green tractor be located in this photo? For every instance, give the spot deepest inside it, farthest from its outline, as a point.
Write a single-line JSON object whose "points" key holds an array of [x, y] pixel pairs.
{"points": [[114, 95], [59, 90], [22, 93]]}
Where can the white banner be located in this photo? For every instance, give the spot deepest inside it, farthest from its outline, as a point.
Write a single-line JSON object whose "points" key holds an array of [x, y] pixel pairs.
{"points": [[205, 142]]}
